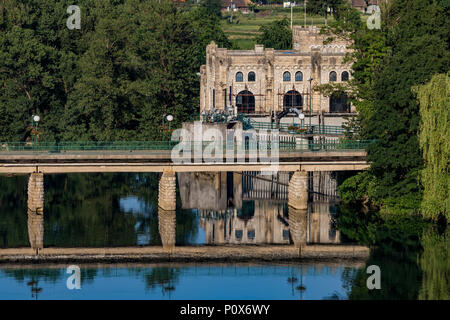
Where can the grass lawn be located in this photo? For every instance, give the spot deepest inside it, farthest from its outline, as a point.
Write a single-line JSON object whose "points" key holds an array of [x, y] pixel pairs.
{"points": [[245, 27]]}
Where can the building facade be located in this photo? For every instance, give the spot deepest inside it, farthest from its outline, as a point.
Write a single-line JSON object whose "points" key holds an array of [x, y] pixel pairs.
{"points": [[264, 80]]}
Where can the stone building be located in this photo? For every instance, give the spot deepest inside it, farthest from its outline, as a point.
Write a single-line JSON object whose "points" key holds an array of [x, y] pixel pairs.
{"points": [[264, 80]]}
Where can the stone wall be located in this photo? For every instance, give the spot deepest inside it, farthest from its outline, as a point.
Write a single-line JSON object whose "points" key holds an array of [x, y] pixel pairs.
{"points": [[219, 88]]}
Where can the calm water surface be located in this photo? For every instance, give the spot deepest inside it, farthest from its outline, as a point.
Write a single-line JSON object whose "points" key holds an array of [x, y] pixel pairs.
{"points": [[107, 210], [181, 282]]}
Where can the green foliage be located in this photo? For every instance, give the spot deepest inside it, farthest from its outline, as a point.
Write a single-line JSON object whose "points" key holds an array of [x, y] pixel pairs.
{"points": [[419, 48], [357, 188], [131, 62], [435, 265], [321, 7], [396, 248], [410, 47], [213, 7], [434, 139], [277, 35], [84, 210]]}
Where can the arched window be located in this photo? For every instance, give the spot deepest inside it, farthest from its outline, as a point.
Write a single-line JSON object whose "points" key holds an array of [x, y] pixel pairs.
{"points": [[344, 76], [292, 99], [333, 76], [239, 77], [251, 76], [287, 76], [245, 102], [298, 76]]}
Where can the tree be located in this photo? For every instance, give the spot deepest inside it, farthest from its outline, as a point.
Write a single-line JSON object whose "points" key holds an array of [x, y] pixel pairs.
{"points": [[323, 7], [434, 139], [418, 44], [212, 7], [276, 34], [132, 62], [410, 47]]}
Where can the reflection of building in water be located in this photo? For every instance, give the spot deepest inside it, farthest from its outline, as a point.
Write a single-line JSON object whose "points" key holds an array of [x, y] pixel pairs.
{"points": [[251, 208], [266, 222], [210, 190], [36, 211], [167, 228], [322, 185], [258, 186], [322, 223], [258, 222]]}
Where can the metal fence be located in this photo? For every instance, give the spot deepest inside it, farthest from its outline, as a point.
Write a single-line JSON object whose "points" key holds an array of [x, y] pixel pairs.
{"points": [[248, 145]]}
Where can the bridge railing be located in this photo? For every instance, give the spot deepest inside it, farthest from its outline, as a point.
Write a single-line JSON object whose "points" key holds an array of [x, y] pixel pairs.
{"points": [[87, 146], [249, 123], [155, 146], [296, 129]]}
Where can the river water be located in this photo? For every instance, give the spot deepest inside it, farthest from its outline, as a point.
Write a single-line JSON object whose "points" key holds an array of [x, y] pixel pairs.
{"points": [[121, 210]]}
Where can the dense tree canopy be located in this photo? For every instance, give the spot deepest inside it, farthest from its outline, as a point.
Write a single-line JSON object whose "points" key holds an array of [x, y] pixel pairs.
{"points": [[419, 49], [277, 35], [324, 7], [411, 46], [131, 62]]}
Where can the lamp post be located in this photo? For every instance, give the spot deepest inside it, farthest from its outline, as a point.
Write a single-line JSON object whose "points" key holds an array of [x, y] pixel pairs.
{"points": [[169, 119], [310, 100], [302, 117], [34, 131]]}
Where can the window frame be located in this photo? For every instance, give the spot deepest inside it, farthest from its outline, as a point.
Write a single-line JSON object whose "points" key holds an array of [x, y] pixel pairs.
{"points": [[335, 76], [254, 76], [241, 76]]}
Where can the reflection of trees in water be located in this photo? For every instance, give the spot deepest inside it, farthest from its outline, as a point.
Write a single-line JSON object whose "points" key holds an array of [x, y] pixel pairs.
{"points": [[435, 264], [84, 210], [160, 277], [13, 211], [35, 277], [399, 244]]}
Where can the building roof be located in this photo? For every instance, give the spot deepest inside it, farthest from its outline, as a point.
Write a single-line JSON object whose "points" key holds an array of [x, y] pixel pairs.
{"points": [[237, 3], [359, 3]]}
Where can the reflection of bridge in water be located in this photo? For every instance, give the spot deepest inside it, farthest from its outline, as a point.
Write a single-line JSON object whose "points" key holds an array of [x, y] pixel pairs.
{"points": [[260, 213], [235, 208]]}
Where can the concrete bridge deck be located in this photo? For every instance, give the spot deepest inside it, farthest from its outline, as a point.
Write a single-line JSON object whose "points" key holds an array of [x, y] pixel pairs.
{"points": [[21, 162]]}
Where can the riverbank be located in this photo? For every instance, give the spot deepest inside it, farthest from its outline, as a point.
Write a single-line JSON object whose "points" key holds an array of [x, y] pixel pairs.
{"points": [[186, 254]]}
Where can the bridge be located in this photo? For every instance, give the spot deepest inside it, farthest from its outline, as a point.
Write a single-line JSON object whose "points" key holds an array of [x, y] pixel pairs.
{"points": [[156, 156], [301, 156]]}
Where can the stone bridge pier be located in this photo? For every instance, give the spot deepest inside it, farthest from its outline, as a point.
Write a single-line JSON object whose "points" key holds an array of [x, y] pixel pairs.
{"points": [[298, 190], [297, 226], [167, 191], [36, 211], [167, 228]]}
